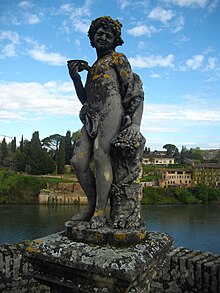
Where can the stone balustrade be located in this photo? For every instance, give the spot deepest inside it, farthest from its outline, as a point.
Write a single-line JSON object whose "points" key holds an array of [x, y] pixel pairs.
{"points": [[185, 271]]}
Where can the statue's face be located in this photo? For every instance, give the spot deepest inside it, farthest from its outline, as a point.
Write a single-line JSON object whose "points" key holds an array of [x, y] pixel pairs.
{"points": [[104, 39]]}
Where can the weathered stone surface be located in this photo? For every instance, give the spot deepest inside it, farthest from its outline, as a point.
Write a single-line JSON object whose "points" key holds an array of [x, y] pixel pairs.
{"points": [[81, 267], [188, 271], [81, 231], [200, 278], [112, 107], [13, 272]]}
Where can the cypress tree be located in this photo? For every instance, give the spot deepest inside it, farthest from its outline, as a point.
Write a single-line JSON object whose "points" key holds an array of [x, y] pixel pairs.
{"points": [[61, 157], [13, 145], [39, 160], [19, 161], [68, 148], [22, 144], [4, 152], [35, 154]]}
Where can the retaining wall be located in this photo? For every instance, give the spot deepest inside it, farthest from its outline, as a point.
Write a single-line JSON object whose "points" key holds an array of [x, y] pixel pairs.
{"points": [[63, 193]]}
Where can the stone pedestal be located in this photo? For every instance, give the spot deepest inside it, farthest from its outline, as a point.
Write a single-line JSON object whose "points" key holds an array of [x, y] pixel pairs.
{"points": [[69, 266]]}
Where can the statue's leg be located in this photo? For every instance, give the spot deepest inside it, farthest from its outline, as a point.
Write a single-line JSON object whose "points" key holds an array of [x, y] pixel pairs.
{"points": [[82, 155], [109, 127]]}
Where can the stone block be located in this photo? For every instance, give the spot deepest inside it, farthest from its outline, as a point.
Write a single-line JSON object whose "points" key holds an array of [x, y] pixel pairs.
{"points": [[69, 266]]}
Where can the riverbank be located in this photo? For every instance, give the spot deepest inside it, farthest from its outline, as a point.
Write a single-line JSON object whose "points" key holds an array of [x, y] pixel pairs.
{"points": [[178, 195], [22, 188], [55, 189]]}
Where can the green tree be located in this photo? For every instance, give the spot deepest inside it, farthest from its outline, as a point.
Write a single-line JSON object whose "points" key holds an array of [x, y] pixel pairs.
{"points": [[22, 144], [184, 155], [68, 148], [13, 145], [61, 157], [19, 161], [205, 193], [51, 143], [146, 151], [217, 157], [35, 154], [184, 195], [47, 163], [39, 160], [171, 149], [21, 158], [4, 153]]}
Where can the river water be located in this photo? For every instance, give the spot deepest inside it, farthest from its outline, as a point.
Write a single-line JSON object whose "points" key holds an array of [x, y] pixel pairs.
{"points": [[192, 226]]}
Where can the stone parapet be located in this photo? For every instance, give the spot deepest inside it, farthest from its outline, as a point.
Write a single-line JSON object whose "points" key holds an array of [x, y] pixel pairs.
{"points": [[189, 271], [14, 272], [68, 266], [184, 270]]}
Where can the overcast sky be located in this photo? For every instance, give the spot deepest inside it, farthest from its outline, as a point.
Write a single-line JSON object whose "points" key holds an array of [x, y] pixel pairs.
{"points": [[174, 46]]}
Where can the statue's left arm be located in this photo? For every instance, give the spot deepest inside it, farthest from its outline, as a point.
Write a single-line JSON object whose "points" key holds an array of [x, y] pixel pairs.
{"points": [[132, 94], [137, 116]]}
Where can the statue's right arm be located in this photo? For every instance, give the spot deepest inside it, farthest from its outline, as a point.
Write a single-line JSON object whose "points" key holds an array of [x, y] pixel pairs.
{"points": [[80, 89]]}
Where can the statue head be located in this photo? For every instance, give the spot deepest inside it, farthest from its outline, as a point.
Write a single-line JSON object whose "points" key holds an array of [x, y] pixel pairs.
{"points": [[106, 22]]}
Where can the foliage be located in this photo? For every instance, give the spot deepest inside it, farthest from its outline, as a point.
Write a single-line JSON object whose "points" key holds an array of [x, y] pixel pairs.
{"points": [[205, 194], [14, 187], [21, 147], [217, 157], [39, 160], [197, 194], [156, 195], [184, 195], [36, 157], [51, 143], [4, 153], [149, 178], [148, 168], [171, 149], [68, 148], [19, 162], [146, 151], [13, 145], [196, 155], [61, 157]]}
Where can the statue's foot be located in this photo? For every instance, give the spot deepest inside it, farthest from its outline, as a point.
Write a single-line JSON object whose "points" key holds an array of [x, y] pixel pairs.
{"points": [[84, 215], [98, 222]]}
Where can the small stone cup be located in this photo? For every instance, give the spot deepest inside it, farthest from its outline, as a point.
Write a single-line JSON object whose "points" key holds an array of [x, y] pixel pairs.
{"points": [[81, 64]]}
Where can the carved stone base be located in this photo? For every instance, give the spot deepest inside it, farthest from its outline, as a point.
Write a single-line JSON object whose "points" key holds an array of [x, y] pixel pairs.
{"points": [[68, 266], [80, 231]]}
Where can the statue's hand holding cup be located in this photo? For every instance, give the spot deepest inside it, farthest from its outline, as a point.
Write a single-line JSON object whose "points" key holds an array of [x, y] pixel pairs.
{"points": [[76, 66]]}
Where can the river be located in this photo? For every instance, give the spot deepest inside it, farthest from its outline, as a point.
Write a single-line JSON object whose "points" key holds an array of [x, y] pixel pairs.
{"points": [[192, 226]]}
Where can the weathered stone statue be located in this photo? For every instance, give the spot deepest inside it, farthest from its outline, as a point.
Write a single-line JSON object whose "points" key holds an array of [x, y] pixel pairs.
{"points": [[112, 108], [99, 253]]}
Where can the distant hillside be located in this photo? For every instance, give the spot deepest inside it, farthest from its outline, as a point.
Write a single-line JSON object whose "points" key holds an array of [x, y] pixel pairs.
{"points": [[211, 154]]}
